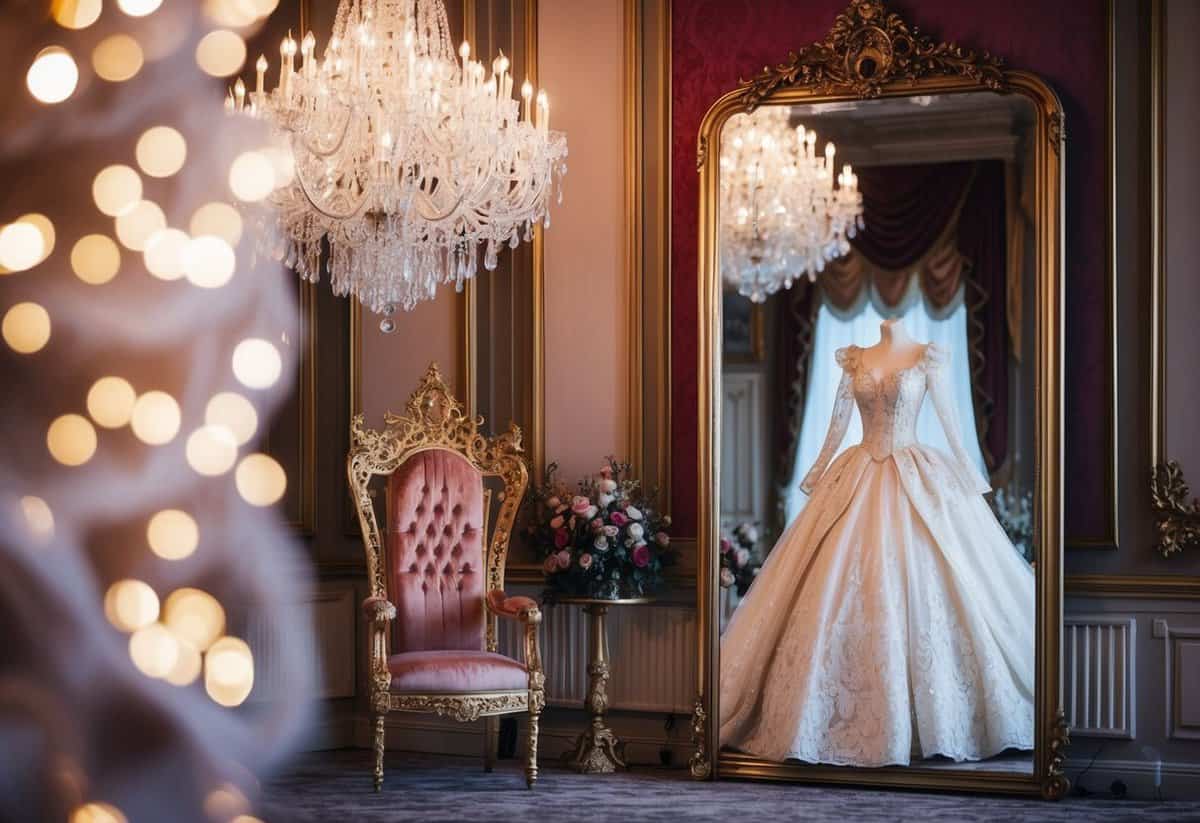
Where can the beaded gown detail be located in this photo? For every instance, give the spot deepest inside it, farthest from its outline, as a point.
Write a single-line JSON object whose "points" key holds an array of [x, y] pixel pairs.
{"points": [[893, 620]]}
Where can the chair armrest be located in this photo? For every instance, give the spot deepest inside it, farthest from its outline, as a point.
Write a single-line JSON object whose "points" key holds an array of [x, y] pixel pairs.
{"points": [[524, 609], [378, 610]]}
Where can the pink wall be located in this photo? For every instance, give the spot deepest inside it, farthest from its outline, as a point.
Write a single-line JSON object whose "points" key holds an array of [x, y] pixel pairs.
{"points": [[580, 56]]}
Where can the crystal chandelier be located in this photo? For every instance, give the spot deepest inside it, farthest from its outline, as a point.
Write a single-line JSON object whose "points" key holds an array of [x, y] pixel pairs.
{"points": [[402, 158], [781, 214]]}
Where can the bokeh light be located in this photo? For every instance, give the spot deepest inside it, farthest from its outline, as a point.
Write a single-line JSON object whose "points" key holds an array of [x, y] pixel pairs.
{"points": [[218, 219], [22, 246], [26, 328], [260, 480], [53, 76], [234, 412], [153, 650], [117, 58], [229, 671], [139, 8], [164, 253], [136, 226], [110, 402], [130, 605], [97, 812], [221, 53], [211, 450], [172, 534], [95, 259], [252, 176], [256, 363], [71, 439], [195, 616], [75, 14], [188, 663], [208, 261], [161, 151], [38, 517], [156, 418], [117, 190]]}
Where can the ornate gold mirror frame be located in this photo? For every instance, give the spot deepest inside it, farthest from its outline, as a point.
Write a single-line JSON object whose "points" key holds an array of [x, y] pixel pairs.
{"points": [[873, 53]]}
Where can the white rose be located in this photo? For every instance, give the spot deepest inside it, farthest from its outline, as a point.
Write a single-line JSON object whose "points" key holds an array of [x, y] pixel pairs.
{"points": [[636, 531], [591, 512], [601, 543], [751, 534], [634, 513], [743, 557], [726, 578], [607, 484], [605, 499]]}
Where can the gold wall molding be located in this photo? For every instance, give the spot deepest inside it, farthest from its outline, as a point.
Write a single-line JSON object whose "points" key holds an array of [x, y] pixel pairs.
{"points": [[632, 127], [1133, 587], [1176, 511], [873, 53]]}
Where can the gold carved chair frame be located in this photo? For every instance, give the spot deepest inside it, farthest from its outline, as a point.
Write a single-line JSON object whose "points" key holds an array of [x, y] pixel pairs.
{"points": [[873, 53], [434, 419]]}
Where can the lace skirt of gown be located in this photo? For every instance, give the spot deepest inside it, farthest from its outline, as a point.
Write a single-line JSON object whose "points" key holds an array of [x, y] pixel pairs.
{"points": [[892, 620]]}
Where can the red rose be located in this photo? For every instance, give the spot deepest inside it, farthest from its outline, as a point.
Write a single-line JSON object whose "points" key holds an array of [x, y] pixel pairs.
{"points": [[618, 519], [560, 538], [726, 546], [641, 555]]}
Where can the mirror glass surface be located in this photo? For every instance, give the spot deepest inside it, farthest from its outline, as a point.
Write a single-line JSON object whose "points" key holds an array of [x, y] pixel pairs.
{"points": [[878, 433]]}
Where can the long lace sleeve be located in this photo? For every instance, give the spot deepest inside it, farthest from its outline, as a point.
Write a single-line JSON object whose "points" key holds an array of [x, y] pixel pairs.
{"points": [[843, 405], [937, 360]]}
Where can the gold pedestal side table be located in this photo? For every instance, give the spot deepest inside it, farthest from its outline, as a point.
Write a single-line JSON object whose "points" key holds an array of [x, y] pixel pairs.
{"points": [[597, 750]]}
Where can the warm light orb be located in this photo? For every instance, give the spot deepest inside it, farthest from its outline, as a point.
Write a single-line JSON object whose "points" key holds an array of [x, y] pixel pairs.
{"points": [[135, 227], [211, 450], [188, 664], [75, 14], [252, 176], [195, 616], [164, 253], [110, 402], [218, 219], [161, 151], [130, 605], [172, 534], [260, 480], [235, 413], [232, 13], [71, 439], [225, 802], [154, 650], [97, 812], [26, 328], [256, 363], [155, 418], [221, 53], [117, 58], [229, 671], [38, 517], [208, 261], [95, 259], [53, 76], [117, 190], [138, 8], [22, 246]]}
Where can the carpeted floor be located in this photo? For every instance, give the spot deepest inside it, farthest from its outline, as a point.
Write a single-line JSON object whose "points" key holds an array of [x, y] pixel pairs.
{"points": [[336, 787]]}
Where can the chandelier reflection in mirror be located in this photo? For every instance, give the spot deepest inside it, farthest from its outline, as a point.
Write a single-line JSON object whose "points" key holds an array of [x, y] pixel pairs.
{"points": [[782, 217], [403, 158]]}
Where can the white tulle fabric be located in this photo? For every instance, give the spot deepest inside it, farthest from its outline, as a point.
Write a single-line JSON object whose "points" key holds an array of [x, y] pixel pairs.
{"points": [[893, 620]]}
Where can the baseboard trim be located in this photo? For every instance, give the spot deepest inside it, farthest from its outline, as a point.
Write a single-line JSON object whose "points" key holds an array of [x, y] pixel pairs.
{"points": [[1143, 779]]}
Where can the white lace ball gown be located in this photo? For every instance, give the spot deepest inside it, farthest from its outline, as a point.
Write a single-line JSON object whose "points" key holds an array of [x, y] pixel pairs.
{"points": [[893, 619]]}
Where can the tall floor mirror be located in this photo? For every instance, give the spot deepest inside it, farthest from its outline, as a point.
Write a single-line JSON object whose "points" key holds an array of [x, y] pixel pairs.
{"points": [[880, 427]]}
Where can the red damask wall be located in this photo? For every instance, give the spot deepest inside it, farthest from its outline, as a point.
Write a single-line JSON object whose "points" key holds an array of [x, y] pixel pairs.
{"points": [[715, 43]]}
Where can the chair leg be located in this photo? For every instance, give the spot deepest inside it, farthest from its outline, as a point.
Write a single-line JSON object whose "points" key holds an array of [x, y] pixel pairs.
{"points": [[379, 740], [489, 743], [531, 761]]}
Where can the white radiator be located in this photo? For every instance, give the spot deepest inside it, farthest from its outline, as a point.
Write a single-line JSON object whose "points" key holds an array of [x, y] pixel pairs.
{"points": [[652, 653], [1098, 675]]}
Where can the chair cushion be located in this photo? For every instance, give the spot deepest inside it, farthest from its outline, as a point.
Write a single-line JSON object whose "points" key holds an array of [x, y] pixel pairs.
{"points": [[456, 671]]}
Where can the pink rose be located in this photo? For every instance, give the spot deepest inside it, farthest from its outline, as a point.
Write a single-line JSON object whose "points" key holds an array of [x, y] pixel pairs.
{"points": [[727, 579], [606, 471], [618, 519], [662, 538], [564, 559], [557, 522], [550, 565], [580, 504], [560, 538], [641, 555], [726, 546], [611, 531], [585, 561]]}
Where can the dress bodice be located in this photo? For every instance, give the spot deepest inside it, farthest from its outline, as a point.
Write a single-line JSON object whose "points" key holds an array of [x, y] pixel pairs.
{"points": [[889, 404]]}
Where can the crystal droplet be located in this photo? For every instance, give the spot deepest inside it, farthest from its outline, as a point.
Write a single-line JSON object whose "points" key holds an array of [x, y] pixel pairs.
{"points": [[387, 325]]}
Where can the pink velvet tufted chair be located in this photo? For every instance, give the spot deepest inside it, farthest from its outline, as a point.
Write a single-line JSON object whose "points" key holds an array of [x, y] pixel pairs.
{"points": [[437, 580]]}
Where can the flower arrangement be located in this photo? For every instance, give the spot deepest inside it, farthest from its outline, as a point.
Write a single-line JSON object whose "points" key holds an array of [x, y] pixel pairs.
{"points": [[1014, 512], [605, 540], [739, 557]]}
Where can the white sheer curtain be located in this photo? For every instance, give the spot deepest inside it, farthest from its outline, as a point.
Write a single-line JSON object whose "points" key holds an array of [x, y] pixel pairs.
{"points": [[860, 326]]}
